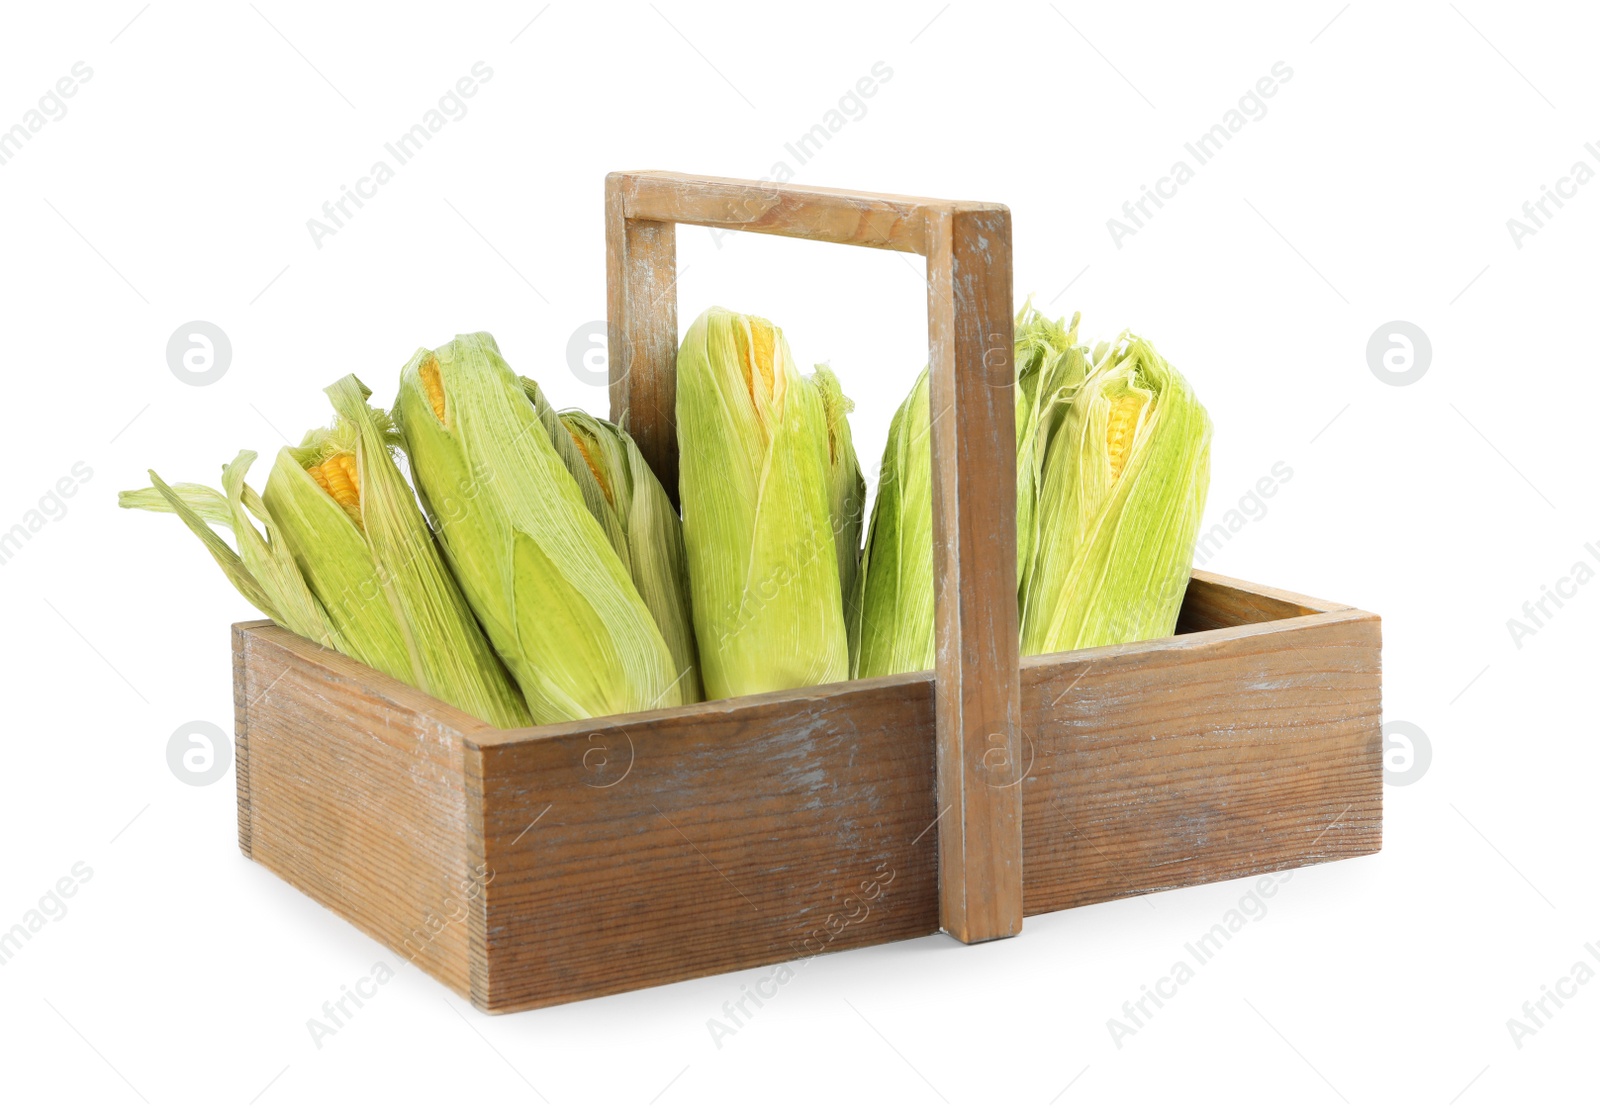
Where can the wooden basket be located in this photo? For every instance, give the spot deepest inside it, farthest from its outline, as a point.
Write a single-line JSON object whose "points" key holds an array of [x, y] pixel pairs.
{"points": [[532, 867]]}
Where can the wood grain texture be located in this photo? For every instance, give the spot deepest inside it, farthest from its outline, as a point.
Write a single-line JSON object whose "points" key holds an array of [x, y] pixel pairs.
{"points": [[353, 791], [241, 729], [1201, 757], [880, 220], [973, 446], [703, 839], [1213, 600], [642, 331], [643, 849], [970, 355]]}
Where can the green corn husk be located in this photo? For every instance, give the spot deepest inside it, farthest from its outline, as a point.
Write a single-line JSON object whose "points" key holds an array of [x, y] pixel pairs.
{"points": [[644, 530], [635, 508], [847, 489], [891, 614], [377, 569], [757, 514], [534, 563], [891, 628], [262, 568], [360, 574], [1125, 481]]}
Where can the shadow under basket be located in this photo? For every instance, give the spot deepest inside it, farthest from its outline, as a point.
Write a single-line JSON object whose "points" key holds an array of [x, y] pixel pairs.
{"points": [[532, 867]]}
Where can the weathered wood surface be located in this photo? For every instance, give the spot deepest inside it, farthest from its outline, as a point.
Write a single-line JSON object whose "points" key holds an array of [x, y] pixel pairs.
{"points": [[977, 684], [880, 220], [638, 850], [642, 331], [352, 789], [970, 354]]}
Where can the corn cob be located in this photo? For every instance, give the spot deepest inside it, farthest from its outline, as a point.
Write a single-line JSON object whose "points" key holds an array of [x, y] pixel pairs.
{"points": [[262, 568], [891, 628], [1124, 488], [635, 508], [757, 512], [348, 560], [535, 565], [847, 489], [361, 540]]}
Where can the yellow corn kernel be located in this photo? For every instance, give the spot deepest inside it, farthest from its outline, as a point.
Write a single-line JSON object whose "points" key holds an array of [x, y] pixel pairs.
{"points": [[339, 479], [1121, 423], [599, 474], [428, 371]]}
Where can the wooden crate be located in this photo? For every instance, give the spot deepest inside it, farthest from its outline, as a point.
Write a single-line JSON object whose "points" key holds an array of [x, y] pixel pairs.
{"points": [[532, 867]]}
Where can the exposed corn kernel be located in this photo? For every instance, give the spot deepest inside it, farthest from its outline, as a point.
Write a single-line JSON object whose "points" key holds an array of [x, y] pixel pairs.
{"points": [[339, 479]]}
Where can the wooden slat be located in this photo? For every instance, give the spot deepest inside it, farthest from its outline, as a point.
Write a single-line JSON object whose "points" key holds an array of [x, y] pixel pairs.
{"points": [[241, 729], [651, 848], [973, 457], [1217, 601], [353, 791], [879, 220], [1201, 758], [655, 847], [973, 440], [700, 840], [642, 332]]}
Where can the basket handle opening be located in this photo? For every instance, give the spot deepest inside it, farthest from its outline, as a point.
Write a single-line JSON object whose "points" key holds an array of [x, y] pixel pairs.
{"points": [[977, 680]]}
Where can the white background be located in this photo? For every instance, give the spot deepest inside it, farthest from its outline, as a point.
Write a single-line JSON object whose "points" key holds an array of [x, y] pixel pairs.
{"points": [[1377, 188]]}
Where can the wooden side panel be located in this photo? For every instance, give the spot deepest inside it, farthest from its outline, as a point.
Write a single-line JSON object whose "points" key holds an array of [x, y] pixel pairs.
{"points": [[241, 728], [642, 332], [352, 791], [1201, 758], [654, 848], [1214, 601], [974, 463], [645, 849]]}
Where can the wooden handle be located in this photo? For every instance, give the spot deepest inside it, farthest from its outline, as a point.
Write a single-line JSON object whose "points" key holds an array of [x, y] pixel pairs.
{"points": [[977, 680]]}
